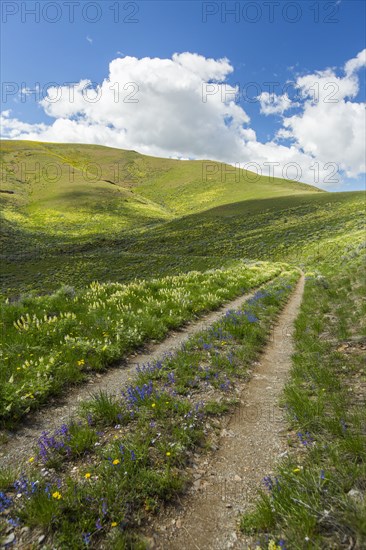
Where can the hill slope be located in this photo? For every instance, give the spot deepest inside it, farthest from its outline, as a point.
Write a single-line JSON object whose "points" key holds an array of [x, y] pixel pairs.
{"points": [[72, 191]]}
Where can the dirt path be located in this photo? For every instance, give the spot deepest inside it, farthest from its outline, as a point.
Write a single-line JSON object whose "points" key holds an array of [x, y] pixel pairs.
{"points": [[251, 443], [20, 444]]}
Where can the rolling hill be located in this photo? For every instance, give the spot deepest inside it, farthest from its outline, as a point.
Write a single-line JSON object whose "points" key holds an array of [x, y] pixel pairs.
{"points": [[75, 239], [76, 191], [156, 217]]}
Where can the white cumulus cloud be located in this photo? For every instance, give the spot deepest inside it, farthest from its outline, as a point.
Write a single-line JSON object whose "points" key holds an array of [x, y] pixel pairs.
{"points": [[356, 63], [330, 126], [184, 107], [271, 103]]}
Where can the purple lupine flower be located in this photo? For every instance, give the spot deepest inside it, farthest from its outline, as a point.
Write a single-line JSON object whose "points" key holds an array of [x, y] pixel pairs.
{"points": [[5, 501], [86, 538], [268, 482]]}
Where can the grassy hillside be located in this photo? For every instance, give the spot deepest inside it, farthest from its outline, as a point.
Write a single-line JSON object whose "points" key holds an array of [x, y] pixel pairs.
{"points": [[265, 228], [289, 228], [162, 219], [150, 217], [74, 193]]}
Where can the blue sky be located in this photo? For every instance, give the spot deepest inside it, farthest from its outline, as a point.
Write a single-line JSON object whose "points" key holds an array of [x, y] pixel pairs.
{"points": [[273, 41]]}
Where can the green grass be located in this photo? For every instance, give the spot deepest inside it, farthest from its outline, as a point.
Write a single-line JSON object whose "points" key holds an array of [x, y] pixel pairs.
{"points": [[308, 502], [290, 228], [70, 196], [50, 341], [162, 218], [90, 486]]}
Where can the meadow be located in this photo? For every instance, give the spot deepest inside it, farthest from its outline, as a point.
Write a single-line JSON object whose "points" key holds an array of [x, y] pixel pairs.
{"points": [[94, 481], [54, 340], [315, 498], [94, 267]]}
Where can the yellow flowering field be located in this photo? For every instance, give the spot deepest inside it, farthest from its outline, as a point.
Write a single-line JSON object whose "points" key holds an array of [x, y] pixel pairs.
{"points": [[54, 340]]}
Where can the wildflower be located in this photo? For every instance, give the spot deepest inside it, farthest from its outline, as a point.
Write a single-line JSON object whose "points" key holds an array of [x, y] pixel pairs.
{"points": [[31, 460], [114, 524], [86, 538], [168, 453], [81, 362], [322, 474], [305, 439], [296, 470], [98, 524], [57, 495], [87, 475], [153, 405], [268, 482], [115, 462], [5, 501]]}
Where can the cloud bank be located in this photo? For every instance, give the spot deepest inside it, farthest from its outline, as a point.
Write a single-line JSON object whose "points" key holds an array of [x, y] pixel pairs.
{"points": [[184, 107]]}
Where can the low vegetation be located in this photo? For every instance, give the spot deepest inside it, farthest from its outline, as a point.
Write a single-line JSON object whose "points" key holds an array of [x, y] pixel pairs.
{"points": [[316, 498], [50, 341], [93, 267], [94, 481]]}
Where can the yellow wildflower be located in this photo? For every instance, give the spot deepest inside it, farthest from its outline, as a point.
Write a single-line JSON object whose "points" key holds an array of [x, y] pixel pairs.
{"points": [[153, 405], [296, 470], [168, 453], [57, 495], [114, 524], [87, 475], [31, 459], [115, 461]]}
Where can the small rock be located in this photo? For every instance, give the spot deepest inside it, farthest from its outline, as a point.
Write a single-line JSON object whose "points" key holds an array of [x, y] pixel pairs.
{"points": [[178, 523], [41, 539], [197, 484], [9, 539], [355, 495], [237, 478], [228, 505]]}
